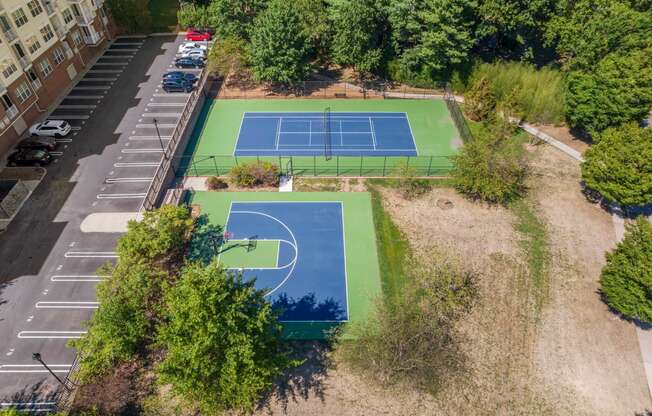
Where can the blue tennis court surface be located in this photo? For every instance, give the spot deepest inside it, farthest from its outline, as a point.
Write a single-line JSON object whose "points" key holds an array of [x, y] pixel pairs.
{"points": [[306, 134], [309, 280]]}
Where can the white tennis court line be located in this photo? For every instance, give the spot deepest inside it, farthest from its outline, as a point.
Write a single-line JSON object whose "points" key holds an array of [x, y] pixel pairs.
{"points": [[278, 131], [341, 135], [373, 134], [310, 133], [414, 143]]}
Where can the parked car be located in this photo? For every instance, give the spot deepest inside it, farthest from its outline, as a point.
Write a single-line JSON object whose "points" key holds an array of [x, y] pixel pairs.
{"points": [[184, 47], [189, 63], [187, 76], [177, 85], [198, 35], [29, 157], [54, 128], [194, 53], [38, 142]]}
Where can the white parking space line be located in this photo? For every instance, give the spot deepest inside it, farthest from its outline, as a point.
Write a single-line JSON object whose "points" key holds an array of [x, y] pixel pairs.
{"points": [[34, 368], [56, 153], [99, 87], [111, 63], [154, 150], [91, 254], [150, 138], [76, 278], [121, 196], [151, 126], [172, 94], [161, 115], [128, 180], [117, 56], [89, 79], [166, 104], [76, 107], [136, 164], [50, 334], [63, 140], [75, 128], [129, 43], [124, 50], [66, 305], [105, 71], [69, 117], [85, 97]]}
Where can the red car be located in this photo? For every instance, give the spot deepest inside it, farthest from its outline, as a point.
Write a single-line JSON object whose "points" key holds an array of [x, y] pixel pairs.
{"points": [[197, 35]]}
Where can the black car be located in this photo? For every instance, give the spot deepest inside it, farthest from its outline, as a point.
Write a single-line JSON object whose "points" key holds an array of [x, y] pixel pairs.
{"points": [[39, 143], [189, 63], [177, 85], [29, 157], [187, 76]]}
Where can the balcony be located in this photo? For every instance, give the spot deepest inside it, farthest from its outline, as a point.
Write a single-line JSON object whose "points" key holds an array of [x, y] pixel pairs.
{"points": [[12, 111], [60, 32], [93, 39], [10, 35], [24, 62], [36, 84], [49, 7]]}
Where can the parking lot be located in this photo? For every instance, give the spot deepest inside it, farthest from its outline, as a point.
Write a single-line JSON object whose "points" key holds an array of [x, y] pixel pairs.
{"points": [[49, 255]]}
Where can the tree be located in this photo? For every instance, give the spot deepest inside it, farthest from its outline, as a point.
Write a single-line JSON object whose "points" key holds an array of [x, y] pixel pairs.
{"points": [[617, 91], [228, 56], [222, 340], [626, 279], [433, 35], [491, 168], [359, 39], [619, 165], [132, 15], [279, 48], [480, 101], [234, 18], [190, 14]]}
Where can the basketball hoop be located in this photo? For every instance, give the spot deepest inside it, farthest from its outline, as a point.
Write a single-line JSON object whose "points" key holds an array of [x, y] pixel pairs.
{"points": [[227, 236]]}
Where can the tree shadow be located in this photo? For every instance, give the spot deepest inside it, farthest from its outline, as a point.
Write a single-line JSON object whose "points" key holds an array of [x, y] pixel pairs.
{"points": [[307, 308], [36, 397], [206, 240]]}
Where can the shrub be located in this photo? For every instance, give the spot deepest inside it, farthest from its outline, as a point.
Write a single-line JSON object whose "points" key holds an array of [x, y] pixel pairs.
{"points": [[619, 165], [410, 186], [254, 174], [491, 168], [539, 93], [214, 183], [626, 280], [479, 101]]}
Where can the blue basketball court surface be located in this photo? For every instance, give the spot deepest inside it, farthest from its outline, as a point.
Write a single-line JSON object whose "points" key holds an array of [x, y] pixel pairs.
{"points": [[309, 133], [308, 282]]}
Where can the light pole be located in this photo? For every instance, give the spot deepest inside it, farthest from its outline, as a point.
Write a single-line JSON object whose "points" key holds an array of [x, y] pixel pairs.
{"points": [[37, 357], [158, 134]]}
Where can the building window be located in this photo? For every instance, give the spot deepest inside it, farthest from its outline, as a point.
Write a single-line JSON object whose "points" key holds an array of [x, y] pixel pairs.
{"points": [[34, 8], [67, 15], [46, 68], [47, 33], [19, 17], [9, 68], [34, 44], [58, 56], [23, 92], [6, 102], [77, 38]]}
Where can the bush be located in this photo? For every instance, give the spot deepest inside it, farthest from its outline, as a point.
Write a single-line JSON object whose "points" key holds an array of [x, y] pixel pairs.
{"points": [[619, 165], [254, 174], [480, 101], [193, 15], [410, 336], [626, 280], [491, 168], [539, 93], [410, 186], [214, 183]]}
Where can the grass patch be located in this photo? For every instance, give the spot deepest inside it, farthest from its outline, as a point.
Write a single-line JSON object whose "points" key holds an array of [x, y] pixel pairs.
{"points": [[164, 15], [393, 248], [317, 184], [535, 245]]}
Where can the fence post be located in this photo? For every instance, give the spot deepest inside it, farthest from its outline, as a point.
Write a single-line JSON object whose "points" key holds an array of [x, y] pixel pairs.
{"points": [[429, 166], [194, 167], [236, 160], [217, 171], [337, 164], [384, 165], [361, 157], [407, 162], [314, 165]]}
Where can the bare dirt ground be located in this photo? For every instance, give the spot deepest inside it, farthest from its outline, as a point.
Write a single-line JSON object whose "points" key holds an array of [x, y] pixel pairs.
{"points": [[564, 135], [585, 355], [573, 357]]}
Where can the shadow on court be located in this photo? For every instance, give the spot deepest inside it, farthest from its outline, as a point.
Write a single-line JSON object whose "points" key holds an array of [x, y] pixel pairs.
{"points": [[206, 240], [309, 309]]}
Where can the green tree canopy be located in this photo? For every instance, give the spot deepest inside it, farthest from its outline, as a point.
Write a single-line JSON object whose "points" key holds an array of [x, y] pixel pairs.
{"points": [[234, 18], [222, 340], [617, 91], [619, 165], [280, 50], [132, 15], [626, 280], [360, 34]]}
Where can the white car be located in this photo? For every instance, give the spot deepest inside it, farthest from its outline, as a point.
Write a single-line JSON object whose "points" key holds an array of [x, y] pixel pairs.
{"points": [[194, 53], [51, 128], [188, 46]]}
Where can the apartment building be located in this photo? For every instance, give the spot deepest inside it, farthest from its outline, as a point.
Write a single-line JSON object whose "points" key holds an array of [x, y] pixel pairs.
{"points": [[44, 44]]}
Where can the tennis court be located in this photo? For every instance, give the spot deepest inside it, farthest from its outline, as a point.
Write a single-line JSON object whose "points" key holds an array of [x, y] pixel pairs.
{"points": [[308, 252], [336, 133]]}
